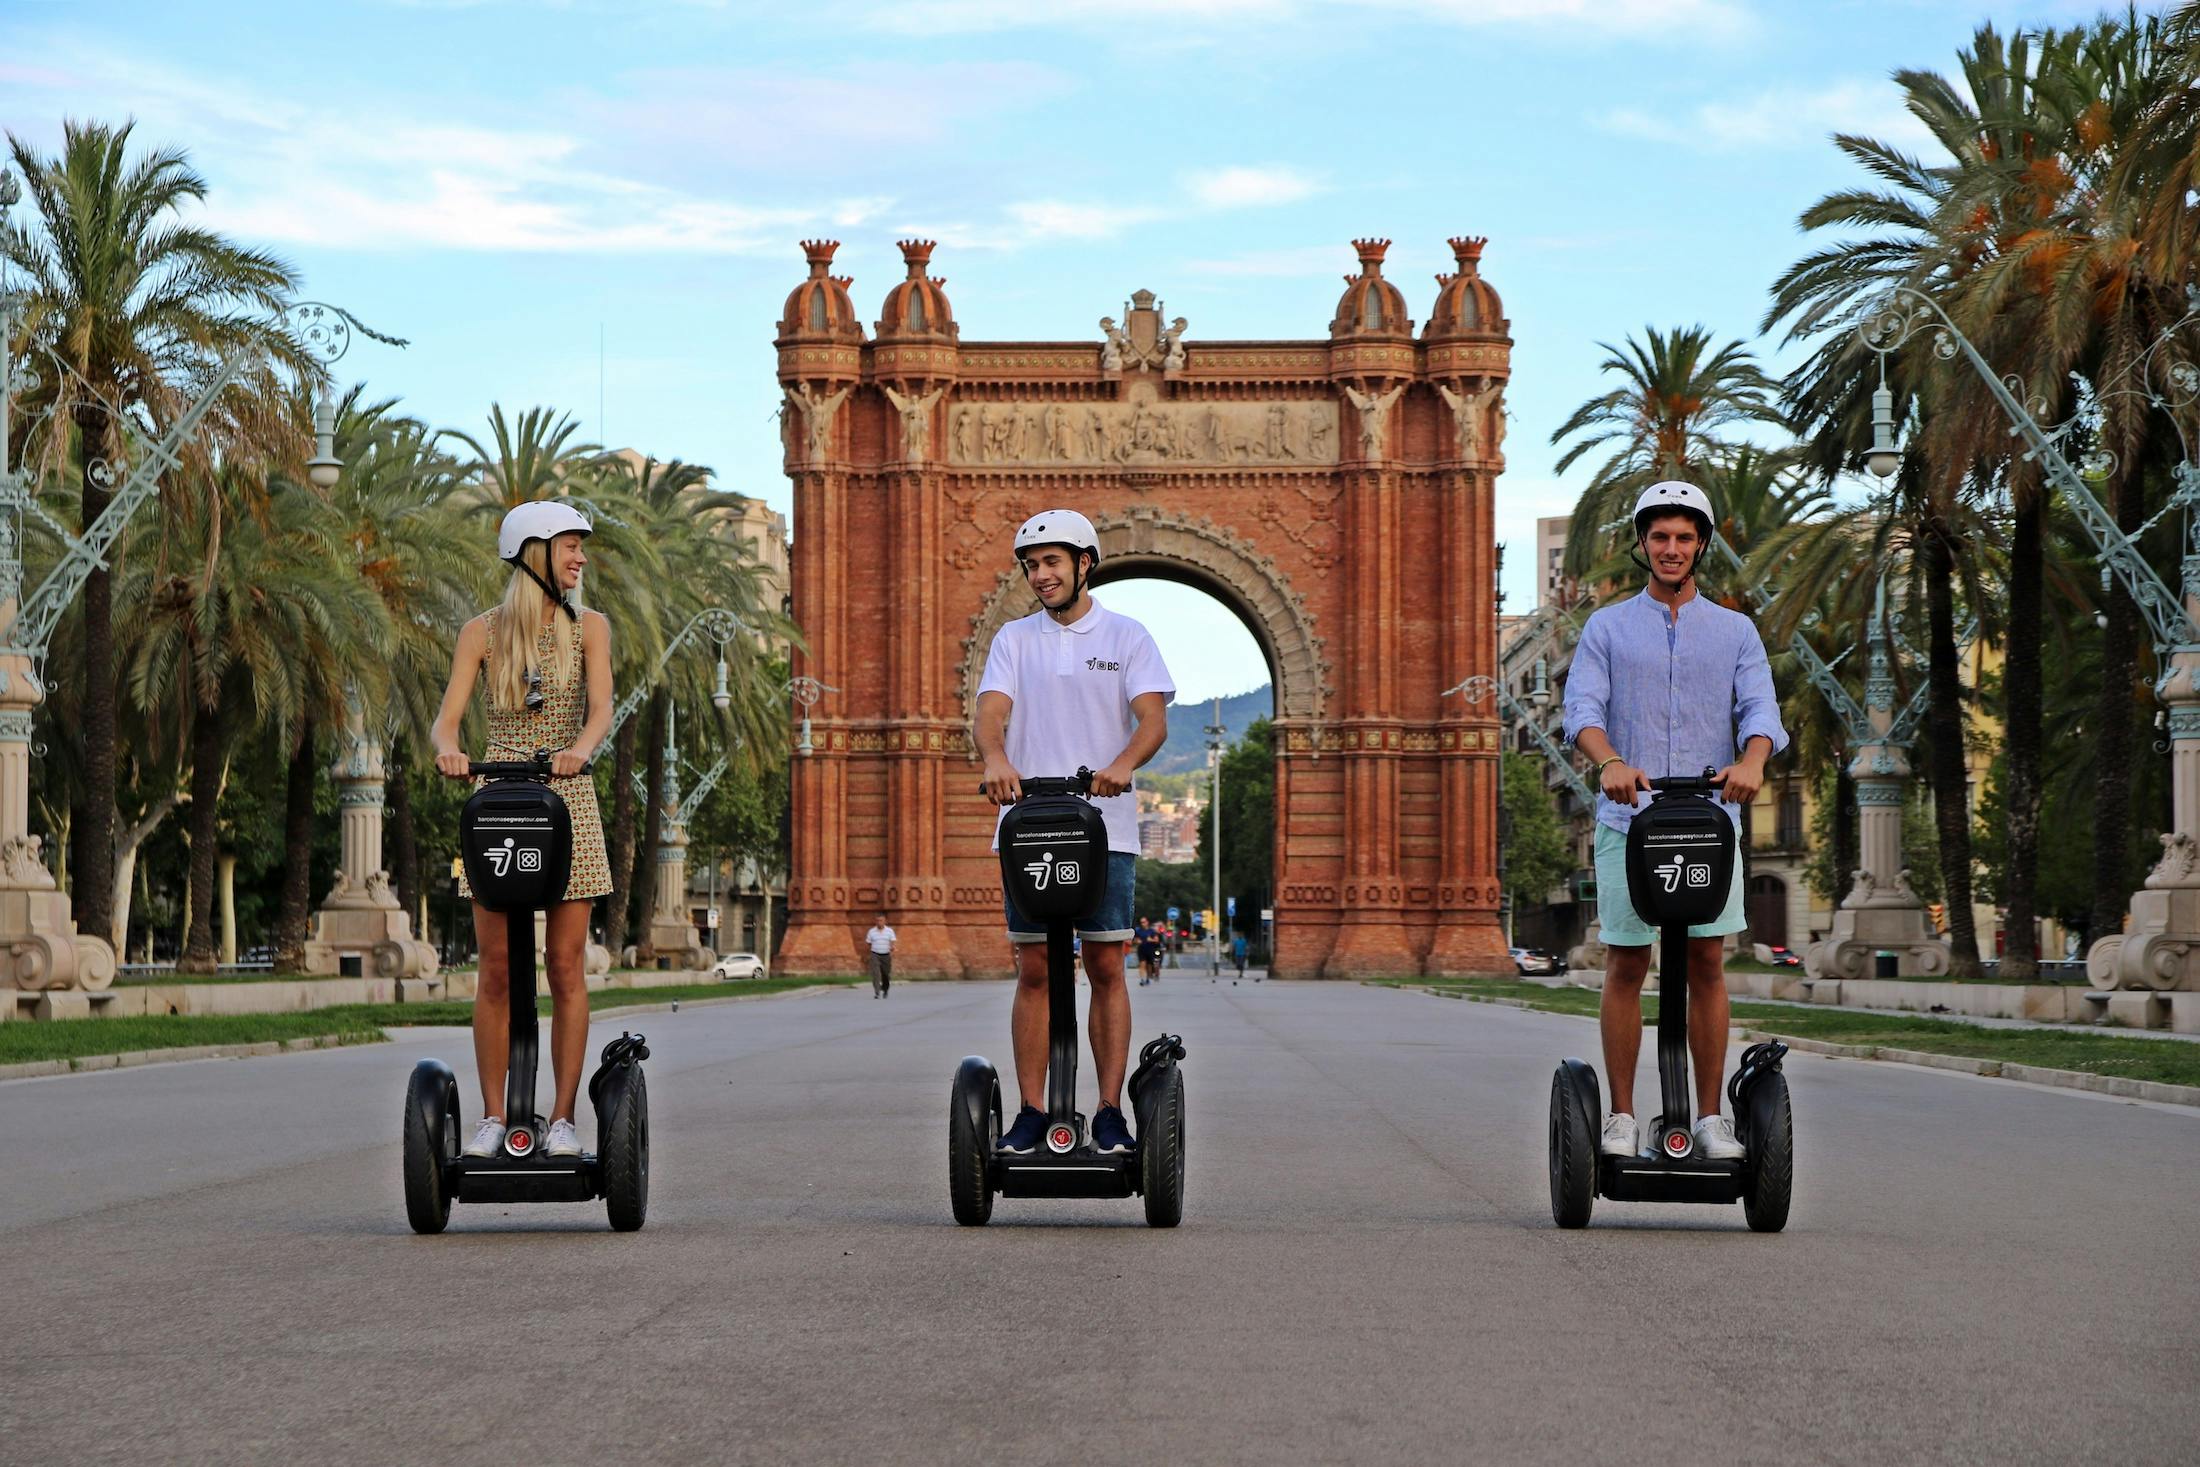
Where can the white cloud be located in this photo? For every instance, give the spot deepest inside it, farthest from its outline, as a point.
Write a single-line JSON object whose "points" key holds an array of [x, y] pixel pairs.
{"points": [[294, 174], [1777, 118], [1240, 187]]}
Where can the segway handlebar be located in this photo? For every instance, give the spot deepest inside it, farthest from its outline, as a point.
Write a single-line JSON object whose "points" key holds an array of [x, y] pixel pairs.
{"points": [[535, 768], [1079, 783], [1705, 783]]}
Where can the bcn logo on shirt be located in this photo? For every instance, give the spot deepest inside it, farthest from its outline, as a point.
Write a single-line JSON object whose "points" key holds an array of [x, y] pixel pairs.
{"points": [[1101, 665]]}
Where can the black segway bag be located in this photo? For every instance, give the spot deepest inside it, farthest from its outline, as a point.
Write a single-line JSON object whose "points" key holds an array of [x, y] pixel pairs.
{"points": [[516, 838], [1680, 860], [1054, 858]]}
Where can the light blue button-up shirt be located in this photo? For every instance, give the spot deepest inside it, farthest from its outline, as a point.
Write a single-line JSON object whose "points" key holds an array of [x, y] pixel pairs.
{"points": [[1673, 694]]}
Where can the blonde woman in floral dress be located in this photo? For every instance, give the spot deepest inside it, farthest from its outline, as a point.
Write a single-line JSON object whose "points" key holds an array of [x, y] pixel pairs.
{"points": [[547, 683]]}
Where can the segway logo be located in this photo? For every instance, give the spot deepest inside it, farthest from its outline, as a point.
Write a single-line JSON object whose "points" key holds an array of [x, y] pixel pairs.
{"points": [[1047, 870], [505, 857], [1671, 874]]}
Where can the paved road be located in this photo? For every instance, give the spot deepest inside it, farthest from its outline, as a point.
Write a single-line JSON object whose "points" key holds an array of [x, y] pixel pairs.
{"points": [[210, 1262]]}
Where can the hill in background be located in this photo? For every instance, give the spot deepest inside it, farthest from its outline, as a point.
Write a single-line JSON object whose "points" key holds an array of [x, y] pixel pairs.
{"points": [[1186, 748]]}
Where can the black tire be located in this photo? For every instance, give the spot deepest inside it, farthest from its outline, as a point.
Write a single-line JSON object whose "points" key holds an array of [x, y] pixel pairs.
{"points": [[1573, 1156], [427, 1183], [1771, 1181], [970, 1150], [625, 1155], [1161, 1151]]}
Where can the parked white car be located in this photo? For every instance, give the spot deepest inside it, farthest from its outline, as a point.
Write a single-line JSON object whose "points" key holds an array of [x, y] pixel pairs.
{"points": [[738, 965]]}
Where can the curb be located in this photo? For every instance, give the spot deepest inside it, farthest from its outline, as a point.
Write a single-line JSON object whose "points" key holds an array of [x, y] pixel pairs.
{"points": [[131, 1059], [669, 1005], [2122, 1087]]}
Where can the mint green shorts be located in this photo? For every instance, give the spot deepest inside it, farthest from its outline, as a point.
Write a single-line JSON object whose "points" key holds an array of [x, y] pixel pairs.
{"points": [[1616, 913]]}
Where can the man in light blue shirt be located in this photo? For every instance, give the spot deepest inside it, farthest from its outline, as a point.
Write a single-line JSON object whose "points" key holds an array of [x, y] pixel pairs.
{"points": [[1668, 683]]}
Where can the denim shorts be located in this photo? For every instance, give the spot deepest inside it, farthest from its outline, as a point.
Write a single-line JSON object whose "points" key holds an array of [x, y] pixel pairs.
{"points": [[1616, 916], [1112, 923]]}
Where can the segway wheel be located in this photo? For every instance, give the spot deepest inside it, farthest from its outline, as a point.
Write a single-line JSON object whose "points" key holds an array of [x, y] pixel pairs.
{"points": [[427, 1181], [1573, 1155], [1771, 1181], [625, 1155], [973, 1129], [1161, 1151]]}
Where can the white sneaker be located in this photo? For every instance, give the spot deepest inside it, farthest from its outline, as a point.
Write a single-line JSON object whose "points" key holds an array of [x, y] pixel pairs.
{"points": [[488, 1137], [1620, 1136], [1716, 1140], [563, 1140]]}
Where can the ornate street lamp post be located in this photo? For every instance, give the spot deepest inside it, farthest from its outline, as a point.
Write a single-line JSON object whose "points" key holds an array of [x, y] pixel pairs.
{"points": [[807, 693], [43, 950], [2161, 947], [360, 927]]}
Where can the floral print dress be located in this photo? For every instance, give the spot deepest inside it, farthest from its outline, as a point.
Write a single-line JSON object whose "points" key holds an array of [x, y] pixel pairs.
{"points": [[516, 733]]}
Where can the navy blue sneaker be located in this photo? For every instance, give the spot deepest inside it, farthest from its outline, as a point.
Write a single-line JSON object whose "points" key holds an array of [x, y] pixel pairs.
{"points": [[1023, 1137], [1110, 1133]]}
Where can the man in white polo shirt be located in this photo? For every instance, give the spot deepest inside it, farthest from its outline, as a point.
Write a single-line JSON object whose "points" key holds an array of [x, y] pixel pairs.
{"points": [[1073, 685]]}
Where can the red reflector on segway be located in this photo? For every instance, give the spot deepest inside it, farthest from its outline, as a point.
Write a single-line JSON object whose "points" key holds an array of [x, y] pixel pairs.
{"points": [[520, 1142], [1063, 1138], [1676, 1143]]}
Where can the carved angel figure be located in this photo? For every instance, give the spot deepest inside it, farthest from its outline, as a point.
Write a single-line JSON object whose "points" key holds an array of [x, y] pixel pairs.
{"points": [[1374, 413], [916, 420], [1466, 416], [817, 416]]}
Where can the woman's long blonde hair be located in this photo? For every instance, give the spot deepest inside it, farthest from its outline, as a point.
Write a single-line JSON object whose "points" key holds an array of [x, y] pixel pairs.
{"points": [[512, 636]]}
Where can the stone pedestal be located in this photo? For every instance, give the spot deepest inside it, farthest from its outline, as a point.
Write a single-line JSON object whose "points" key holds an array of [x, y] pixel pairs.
{"points": [[40, 948], [671, 934], [1880, 913], [2160, 948], [361, 914]]}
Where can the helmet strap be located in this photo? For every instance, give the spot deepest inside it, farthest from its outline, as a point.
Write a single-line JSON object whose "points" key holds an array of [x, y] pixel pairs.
{"points": [[556, 596]]}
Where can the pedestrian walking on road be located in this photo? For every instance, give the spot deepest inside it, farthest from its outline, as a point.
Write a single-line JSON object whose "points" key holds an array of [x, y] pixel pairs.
{"points": [[880, 939], [1149, 952], [1237, 953]]}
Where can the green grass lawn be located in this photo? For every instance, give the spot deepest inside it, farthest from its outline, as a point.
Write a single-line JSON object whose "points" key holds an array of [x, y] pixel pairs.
{"points": [[361, 1023], [2170, 1061], [78, 1038]]}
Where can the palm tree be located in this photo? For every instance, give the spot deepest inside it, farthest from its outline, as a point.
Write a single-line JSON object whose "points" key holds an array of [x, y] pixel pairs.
{"points": [[1941, 230], [2085, 279], [706, 566], [247, 613], [1678, 391], [137, 304], [393, 510]]}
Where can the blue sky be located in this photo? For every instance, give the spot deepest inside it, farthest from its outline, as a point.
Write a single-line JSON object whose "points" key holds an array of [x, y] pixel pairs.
{"points": [[509, 181]]}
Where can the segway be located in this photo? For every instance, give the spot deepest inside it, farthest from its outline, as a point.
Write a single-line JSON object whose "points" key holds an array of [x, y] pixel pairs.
{"points": [[516, 838], [1054, 862], [1680, 862]]}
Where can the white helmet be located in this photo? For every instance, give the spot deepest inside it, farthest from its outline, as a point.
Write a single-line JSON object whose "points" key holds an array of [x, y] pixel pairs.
{"points": [[540, 519], [1059, 527], [1674, 495]]}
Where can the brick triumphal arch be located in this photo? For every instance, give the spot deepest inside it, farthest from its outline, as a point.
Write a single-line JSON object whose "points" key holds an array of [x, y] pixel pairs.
{"points": [[1335, 493]]}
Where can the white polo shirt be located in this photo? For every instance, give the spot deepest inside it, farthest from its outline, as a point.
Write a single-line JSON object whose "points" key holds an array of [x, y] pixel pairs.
{"points": [[1072, 688]]}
